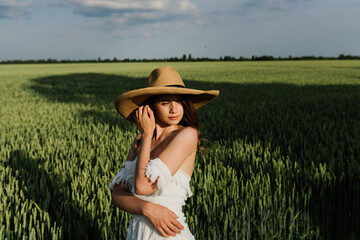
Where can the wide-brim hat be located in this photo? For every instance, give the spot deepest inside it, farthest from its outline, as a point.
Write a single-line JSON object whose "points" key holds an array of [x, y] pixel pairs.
{"points": [[162, 81]]}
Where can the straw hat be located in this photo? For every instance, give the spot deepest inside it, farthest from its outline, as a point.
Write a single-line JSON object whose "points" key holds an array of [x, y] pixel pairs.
{"points": [[162, 81]]}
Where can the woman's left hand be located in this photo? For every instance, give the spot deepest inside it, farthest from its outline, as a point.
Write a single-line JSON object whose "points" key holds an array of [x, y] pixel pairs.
{"points": [[145, 120], [163, 219]]}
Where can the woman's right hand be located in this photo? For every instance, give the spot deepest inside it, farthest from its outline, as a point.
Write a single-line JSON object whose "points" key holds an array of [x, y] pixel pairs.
{"points": [[163, 219], [145, 120]]}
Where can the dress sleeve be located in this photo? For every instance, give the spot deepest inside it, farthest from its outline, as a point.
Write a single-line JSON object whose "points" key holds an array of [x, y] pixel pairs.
{"points": [[119, 178], [157, 170], [125, 177]]}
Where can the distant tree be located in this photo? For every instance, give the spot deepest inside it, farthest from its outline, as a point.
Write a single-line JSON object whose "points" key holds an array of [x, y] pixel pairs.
{"points": [[189, 57], [241, 58], [228, 58], [184, 57], [342, 56], [265, 58], [51, 60]]}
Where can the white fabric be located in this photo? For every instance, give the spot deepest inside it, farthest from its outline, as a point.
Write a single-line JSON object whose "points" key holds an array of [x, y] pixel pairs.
{"points": [[172, 193]]}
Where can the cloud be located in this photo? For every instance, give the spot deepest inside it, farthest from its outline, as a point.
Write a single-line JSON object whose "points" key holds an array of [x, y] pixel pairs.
{"points": [[111, 8], [268, 4], [135, 29], [123, 15], [271, 4], [244, 12], [124, 4], [14, 8], [105, 8]]}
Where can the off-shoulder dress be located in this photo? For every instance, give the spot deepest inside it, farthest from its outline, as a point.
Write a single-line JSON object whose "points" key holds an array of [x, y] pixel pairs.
{"points": [[172, 193]]}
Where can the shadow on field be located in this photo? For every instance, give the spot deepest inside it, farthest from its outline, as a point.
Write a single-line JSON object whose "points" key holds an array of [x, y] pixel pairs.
{"points": [[97, 91], [53, 195], [312, 124]]}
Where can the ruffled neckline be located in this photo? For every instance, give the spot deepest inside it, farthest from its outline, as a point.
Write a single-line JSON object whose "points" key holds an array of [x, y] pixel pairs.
{"points": [[155, 169], [185, 173], [132, 164]]}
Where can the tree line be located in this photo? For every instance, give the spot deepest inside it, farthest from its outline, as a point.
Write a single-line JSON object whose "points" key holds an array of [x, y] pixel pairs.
{"points": [[183, 59]]}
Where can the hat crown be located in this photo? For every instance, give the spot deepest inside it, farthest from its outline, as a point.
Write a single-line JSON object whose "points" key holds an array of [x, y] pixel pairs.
{"points": [[165, 76]]}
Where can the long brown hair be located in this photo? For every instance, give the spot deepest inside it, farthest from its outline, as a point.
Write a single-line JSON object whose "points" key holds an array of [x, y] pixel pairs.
{"points": [[190, 117]]}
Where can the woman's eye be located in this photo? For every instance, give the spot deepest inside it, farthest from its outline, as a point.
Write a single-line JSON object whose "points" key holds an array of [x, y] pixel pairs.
{"points": [[164, 103]]}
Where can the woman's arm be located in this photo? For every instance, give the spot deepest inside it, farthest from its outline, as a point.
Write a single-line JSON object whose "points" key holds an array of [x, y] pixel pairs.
{"points": [[161, 217], [146, 123]]}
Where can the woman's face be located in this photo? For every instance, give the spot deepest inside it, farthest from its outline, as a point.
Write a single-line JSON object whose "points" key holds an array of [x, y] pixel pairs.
{"points": [[169, 109]]}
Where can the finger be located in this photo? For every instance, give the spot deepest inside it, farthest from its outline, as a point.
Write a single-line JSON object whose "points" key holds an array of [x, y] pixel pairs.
{"points": [[145, 112], [141, 110], [168, 231], [173, 214], [162, 232], [137, 114], [151, 113], [178, 224], [138, 118], [174, 228]]}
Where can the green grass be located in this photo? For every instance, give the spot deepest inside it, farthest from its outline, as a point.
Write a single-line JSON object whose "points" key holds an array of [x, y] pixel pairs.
{"points": [[282, 159]]}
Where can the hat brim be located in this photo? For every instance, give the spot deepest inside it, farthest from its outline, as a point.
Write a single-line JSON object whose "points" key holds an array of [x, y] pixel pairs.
{"points": [[128, 102]]}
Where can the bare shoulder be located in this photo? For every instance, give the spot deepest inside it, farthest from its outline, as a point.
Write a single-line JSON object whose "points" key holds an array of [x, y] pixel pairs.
{"points": [[180, 149], [189, 131], [187, 134]]}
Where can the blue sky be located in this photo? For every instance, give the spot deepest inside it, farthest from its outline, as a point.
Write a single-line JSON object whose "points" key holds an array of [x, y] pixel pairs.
{"points": [[88, 29]]}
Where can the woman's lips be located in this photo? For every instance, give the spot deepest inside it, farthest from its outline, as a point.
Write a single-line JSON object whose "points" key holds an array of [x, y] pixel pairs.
{"points": [[173, 118]]}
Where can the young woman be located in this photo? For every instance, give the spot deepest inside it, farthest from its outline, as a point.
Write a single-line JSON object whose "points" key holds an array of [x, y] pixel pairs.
{"points": [[154, 183]]}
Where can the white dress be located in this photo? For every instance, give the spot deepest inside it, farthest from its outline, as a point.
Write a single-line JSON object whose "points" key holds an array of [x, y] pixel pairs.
{"points": [[172, 192]]}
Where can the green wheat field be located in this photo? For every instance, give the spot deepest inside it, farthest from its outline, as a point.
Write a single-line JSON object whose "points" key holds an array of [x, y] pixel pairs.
{"points": [[282, 149]]}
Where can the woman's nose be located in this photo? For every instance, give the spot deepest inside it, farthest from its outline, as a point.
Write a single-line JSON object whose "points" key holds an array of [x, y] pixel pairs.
{"points": [[173, 107]]}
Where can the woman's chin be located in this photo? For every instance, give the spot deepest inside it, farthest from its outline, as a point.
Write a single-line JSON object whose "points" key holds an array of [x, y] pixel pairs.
{"points": [[168, 123]]}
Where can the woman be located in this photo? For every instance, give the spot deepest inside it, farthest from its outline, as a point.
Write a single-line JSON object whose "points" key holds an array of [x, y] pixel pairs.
{"points": [[154, 183]]}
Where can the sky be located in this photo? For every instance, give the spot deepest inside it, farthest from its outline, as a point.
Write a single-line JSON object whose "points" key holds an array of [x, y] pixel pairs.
{"points": [[89, 29]]}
